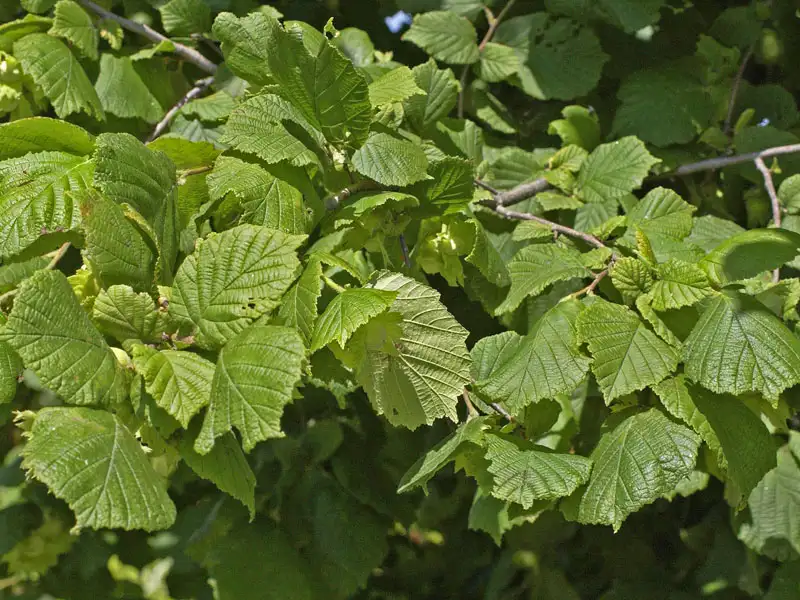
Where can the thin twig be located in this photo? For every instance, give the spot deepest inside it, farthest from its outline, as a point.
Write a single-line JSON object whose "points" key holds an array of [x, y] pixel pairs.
{"points": [[737, 82], [471, 411], [404, 250], [502, 411], [589, 289], [200, 86], [493, 24], [487, 187], [462, 91], [512, 214], [517, 194], [54, 260], [185, 52], [727, 161], [194, 171], [333, 202], [769, 185]]}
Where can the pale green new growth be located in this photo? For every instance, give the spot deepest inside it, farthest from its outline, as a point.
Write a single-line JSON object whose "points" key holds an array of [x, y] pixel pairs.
{"points": [[88, 458], [180, 382], [346, 313]]}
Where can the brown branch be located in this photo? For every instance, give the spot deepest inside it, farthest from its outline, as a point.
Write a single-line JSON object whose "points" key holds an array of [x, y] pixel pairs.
{"points": [[200, 86], [531, 188], [471, 411], [591, 287], [54, 260], [574, 233], [737, 82], [333, 202], [185, 52], [727, 161], [769, 185], [494, 23]]}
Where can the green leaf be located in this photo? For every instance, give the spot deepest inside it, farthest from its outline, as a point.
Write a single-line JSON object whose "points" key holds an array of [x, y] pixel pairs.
{"points": [[524, 473], [123, 93], [127, 172], [356, 45], [57, 341], [498, 62], [708, 231], [441, 94], [13, 274], [395, 86], [231, 279], [664, 106], [180, 382], [89, 459], [59, 74], [579, 127], [631, 277], [486, 256], [391, 161], [679, 284], [123, 314], [749, 253], [34, 197], [615, 169], [543, 364], [298, 308], [435, 459], [246, 44], [185, 17], [535, 267], [254, 379], [674, 395], [742, 445], [451, 184], [445, 36], [37, 6], [267, 195], [225, 466], [492, 352], [739, 346], [116, 249], [257, 127], [12, 31], [663, 212], [38, 134], [413, 369], [773, 527], [620, 483], [214, 107], [561, 59], [745, 444], [75, 25], [347, 312], [626, 356], [10, 370]]}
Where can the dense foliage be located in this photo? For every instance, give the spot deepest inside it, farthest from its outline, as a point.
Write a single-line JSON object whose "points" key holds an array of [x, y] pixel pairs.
{"points": [[502, 306]]}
